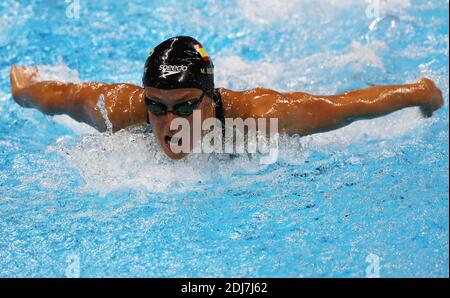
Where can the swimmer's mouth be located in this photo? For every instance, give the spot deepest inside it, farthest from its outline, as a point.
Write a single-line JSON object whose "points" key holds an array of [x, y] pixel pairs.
{"points": [[173, 141]]}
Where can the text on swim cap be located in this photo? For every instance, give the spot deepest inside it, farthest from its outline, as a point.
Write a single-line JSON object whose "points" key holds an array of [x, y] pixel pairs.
{"points": [[177, 68], [208, 70]]}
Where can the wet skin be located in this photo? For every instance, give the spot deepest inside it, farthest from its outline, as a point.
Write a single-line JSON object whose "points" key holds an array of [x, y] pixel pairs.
{"points": [[297, 112]]}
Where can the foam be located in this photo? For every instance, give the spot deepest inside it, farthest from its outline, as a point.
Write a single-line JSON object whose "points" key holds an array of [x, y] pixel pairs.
{"points": [[78, 128], [265, 12], [131, 159], [59, 72], [234, 72], [297, 74]]}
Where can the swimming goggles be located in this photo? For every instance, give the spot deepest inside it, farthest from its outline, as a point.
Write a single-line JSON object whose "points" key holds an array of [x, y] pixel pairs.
{"points": [[183, 109]]}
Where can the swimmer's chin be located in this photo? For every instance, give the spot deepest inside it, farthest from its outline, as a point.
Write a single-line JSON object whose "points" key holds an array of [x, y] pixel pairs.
{"points": [[178, 156], [174, 156]]}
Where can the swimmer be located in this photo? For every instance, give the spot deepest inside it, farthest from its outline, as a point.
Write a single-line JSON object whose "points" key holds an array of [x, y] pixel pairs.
{"points": [[179, 79]]}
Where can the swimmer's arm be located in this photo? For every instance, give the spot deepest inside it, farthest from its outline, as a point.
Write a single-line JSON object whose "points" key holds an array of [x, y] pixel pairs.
{"points": [[123, 102], [301, 113]]}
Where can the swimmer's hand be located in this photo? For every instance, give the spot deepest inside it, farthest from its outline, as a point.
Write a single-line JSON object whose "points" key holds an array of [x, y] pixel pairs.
{"points": [[21, 78], [434, 100]]}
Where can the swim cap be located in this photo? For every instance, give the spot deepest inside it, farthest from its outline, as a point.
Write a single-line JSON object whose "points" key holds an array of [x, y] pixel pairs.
{"points": [[179, 62]]}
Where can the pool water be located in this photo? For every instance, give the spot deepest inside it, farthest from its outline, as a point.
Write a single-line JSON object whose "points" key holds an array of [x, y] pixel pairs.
{"points": [[371, 199]]}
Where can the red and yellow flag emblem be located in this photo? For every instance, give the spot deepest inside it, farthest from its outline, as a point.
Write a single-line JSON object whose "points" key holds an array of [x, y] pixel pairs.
{"points": [[202, 52]]}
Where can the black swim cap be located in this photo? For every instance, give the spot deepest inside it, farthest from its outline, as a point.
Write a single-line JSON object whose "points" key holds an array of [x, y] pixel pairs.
{"points": [[179, 62]]}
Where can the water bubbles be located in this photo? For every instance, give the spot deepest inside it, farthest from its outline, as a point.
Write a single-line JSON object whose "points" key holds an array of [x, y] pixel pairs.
{"points": [[101, 106], [58, 72], [384, 28]]}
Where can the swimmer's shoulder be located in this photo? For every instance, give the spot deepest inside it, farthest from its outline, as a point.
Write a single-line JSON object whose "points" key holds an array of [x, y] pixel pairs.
{"points": [[231, 102], [247, 103]]}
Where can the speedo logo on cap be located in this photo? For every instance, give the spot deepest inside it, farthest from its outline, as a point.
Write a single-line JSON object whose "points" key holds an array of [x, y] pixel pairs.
{"points": [[168, 70]]}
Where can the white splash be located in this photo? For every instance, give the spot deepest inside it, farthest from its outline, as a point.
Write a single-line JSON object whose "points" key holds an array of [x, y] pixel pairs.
{"points": [[266, 12], [59, 72], [235, 73], [388, 5], [131, 159], [101, 106], [78, 128]]}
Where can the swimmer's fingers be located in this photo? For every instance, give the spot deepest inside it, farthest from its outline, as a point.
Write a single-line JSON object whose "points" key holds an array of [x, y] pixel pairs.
{"points": [[434, 100], [21, 77]]}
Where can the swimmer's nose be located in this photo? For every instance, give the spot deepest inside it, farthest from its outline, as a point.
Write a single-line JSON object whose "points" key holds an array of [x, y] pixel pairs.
{"points": [[168, 118]]}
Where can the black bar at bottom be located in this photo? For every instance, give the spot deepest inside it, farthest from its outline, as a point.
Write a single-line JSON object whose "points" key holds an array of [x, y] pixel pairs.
{"points": [[222, 287]]}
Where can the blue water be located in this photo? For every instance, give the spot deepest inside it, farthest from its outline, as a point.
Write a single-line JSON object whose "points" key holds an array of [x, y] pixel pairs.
{"points": [[74, 202]]}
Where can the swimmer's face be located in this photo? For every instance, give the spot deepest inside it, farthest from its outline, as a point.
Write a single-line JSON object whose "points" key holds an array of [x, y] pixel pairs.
{"points": [[161, 123]]}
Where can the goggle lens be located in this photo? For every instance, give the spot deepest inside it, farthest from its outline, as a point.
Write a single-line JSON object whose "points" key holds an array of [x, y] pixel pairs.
{"points": [[183, 109]]}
